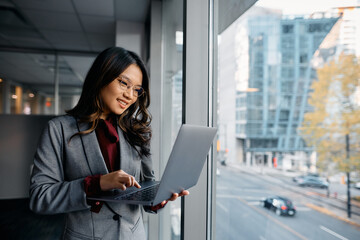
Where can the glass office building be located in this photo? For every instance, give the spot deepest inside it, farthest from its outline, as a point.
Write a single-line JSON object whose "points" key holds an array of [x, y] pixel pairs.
{"points": [[271, 103]]}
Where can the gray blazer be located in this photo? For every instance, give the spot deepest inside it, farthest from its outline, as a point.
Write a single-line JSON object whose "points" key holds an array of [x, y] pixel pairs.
{"points": [[56, 184]]}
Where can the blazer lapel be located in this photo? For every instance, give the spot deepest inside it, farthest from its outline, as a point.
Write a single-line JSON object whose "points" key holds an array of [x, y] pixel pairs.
{"points": [[92, 151], [126, 153]]}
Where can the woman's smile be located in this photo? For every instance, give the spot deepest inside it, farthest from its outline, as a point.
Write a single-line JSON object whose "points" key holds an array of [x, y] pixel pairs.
{"points": [[123, 104]]}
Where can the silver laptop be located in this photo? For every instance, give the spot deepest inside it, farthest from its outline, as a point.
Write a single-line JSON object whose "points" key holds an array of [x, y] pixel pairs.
{"points": [[182, 171]]}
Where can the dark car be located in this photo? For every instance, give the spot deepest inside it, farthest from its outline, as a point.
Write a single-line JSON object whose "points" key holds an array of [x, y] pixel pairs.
{"points": [[310, 181], [281, 205]]}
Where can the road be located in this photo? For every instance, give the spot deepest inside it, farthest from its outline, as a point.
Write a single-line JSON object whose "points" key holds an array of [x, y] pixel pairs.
{"points": [[239, 214]]}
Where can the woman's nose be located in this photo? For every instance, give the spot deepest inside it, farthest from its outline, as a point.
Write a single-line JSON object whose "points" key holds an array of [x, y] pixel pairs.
{"points": [[129, 93]]}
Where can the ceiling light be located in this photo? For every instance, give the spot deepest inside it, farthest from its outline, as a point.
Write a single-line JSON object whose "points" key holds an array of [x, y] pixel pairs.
{"points": [[14, 96]]}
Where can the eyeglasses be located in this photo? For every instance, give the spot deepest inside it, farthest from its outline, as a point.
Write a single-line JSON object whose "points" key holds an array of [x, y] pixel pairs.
{"points": [[126, 84]]}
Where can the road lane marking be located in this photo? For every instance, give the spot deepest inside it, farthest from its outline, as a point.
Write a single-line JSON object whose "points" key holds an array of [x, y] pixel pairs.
{"points": [[303, 209], [222, 207], [330, 213], [226, 196], [333, 233], [249, 198], [286, 227], [241, 189]]}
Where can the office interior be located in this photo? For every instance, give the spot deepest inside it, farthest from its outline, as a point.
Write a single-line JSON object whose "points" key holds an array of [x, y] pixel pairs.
{"points": [[46, 48]]}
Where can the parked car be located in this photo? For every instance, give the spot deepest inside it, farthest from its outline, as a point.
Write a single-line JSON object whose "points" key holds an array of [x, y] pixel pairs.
{"points": [[281, 205], [310, 181], [297, 178]]}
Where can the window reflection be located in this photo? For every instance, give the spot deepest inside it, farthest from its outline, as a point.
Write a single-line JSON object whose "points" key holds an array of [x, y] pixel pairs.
{"points": [[172, 25], [28, 83]]}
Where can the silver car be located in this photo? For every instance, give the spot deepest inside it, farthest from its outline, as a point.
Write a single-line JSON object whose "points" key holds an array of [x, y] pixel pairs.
{"points": [[310, 181]]}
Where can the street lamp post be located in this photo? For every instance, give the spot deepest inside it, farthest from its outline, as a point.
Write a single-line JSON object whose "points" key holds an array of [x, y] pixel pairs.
{"points": [[348, 175]]}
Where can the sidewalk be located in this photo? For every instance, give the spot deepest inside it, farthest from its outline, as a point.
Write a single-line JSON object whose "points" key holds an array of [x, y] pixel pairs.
{"points": [[326, 204]]}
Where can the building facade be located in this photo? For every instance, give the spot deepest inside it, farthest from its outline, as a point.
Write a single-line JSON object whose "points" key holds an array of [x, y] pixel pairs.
{"points": [[272, 77]]}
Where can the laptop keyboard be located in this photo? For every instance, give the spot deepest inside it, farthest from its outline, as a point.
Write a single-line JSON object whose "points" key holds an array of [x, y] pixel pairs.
{"points": [[146, 194]]}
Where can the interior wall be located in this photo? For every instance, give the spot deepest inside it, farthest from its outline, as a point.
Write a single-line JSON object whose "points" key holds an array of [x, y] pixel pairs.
{"points": [[131, 36], [19, 135]]}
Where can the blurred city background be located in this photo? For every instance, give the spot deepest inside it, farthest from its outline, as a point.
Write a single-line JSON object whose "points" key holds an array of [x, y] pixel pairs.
{"points": [[289, 122]]}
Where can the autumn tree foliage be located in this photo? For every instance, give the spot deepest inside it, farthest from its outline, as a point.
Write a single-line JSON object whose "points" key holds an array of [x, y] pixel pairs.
{"points": [[332, 127]]}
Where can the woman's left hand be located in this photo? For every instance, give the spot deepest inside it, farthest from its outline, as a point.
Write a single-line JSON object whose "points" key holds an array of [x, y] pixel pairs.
{"points": [[173, 198], [176, 195]]}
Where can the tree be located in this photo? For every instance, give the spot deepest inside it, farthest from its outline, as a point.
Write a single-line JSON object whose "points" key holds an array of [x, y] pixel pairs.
{"points": [[333, 127], [335, 115]]}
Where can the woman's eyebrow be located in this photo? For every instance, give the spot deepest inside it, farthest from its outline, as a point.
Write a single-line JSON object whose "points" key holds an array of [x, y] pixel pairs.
{"points": [[125, 77], [128, 79]]}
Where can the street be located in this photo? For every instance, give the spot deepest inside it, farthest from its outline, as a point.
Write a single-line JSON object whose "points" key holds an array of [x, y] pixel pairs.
{"points": [[240, 214]]}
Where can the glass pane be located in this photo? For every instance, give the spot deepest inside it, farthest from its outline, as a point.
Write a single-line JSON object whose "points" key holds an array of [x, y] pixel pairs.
{"points": [[288, 122], [172, 25], [24, 79], [72, 73], [28, 82]]}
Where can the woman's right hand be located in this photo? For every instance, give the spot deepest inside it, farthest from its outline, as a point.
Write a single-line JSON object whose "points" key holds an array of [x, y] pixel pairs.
{"points": [[119, 180]]}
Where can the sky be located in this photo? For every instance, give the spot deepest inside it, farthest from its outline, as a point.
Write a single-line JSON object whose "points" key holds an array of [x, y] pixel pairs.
{"points": [[305, 6]]}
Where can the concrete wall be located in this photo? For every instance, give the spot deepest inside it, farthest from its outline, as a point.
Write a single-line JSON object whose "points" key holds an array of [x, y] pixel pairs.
{"points": [[19, 135], [131, 35]]}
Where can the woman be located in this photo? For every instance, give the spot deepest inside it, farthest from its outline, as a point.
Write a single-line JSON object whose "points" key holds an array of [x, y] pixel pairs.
{"points": [[101, 144]]}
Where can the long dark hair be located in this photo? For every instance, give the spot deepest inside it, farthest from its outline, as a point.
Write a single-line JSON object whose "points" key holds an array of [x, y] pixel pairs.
{"points": [[135, 121]]}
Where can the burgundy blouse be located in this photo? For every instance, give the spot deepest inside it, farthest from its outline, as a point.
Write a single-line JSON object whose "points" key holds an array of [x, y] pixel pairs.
{"points": [[108, 139]]}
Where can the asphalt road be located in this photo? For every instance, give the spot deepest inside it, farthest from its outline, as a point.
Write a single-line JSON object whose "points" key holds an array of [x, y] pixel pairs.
{"points": [[239, 214]]}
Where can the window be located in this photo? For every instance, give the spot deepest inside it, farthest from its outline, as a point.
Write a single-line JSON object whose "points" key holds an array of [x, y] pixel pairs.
{"points": [[287, 42], [254, 100], [303, 58], [275, 152], [303, 72], [287, 87], [284, 115], [35, 93], [172, 108], [253, 129], [255, 115], [303, 43], [288, 57], [287, 72], [258, 72], [288, 29], [285, 101], [259, 58]]}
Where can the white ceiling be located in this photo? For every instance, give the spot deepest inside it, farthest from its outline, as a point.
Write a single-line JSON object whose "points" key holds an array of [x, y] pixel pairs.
{"points": [[31, 31]]}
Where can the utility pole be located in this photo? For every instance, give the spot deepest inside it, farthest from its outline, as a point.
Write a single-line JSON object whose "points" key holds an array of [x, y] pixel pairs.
{"points": [[348, 175]]}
